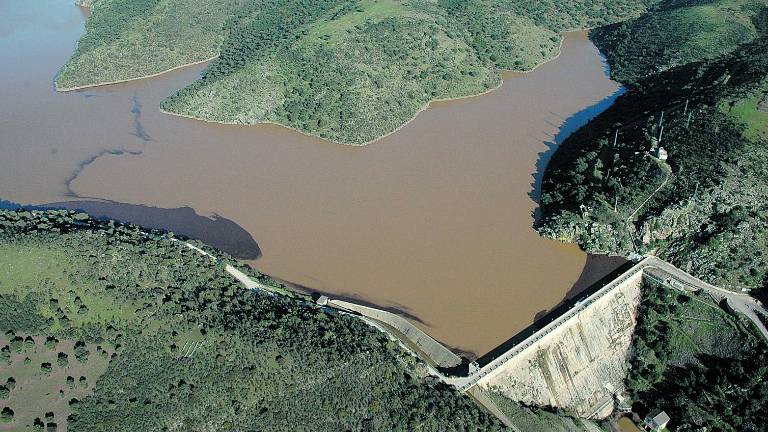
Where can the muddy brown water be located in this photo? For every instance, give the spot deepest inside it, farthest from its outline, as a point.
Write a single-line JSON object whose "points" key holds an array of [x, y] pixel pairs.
{"points": [[434, 221]]}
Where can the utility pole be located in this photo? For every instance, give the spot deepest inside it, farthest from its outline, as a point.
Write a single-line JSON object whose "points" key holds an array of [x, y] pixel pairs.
{"points": [[685, 111], [661, 119], [688, 123], [660, 133], [615, 138]]}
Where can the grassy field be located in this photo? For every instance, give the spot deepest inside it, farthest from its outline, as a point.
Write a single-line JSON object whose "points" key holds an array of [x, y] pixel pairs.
{"points": [[699, 326], [42, 394], [42, 277], [25, 270], [677, 330], [350, 71], [697, 361], [748, 112]]}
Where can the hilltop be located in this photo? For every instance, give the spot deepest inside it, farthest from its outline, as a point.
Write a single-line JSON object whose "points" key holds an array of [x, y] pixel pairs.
{"points": [[350, 71]]}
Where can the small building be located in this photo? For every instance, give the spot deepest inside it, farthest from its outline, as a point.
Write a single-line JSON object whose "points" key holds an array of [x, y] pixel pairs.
{"points": [[656, 422], [623, 404], [322, 301], [661, 153]]}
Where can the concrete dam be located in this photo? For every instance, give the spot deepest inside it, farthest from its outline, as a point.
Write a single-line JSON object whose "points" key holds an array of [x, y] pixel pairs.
{"points": [[576, 362]]}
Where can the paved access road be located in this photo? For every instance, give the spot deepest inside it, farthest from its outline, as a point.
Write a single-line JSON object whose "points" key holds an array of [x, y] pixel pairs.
{"points": [[237, 274], [739, 302]]}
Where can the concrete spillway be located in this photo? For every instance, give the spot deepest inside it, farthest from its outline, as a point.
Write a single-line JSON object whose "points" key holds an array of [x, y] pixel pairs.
{"points": [[432, 351], [580, 362]]}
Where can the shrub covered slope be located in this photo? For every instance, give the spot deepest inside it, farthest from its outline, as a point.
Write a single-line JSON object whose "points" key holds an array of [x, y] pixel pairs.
{"points": [[349, 71], [676, 33], [705, 208], [700, 364]]}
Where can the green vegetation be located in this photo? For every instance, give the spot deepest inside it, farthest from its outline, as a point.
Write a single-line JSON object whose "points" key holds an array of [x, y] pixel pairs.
{"points": [[703, 366], [40, 376], [705, 209], [130, 39], [676, 33], [535, 419], [129, 330], [676, 329], [752, 112], [349, 71]]}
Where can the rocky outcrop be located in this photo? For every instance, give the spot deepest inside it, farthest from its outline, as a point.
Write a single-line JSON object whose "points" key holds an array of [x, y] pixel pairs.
{"points": [[763, 105], [714, 234], [579, 366]]}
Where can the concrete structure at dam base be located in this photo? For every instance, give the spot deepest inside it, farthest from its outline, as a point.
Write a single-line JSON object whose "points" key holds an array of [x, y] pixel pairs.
{"points": [[575, 360]]}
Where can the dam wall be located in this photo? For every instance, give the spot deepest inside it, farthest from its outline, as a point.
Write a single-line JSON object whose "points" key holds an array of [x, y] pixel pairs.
{"points": [[577, 361], [432, 351], [580, 362]]}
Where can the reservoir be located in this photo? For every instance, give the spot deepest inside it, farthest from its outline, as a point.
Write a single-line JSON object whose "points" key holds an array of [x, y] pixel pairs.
{"points": [[434, 221]]}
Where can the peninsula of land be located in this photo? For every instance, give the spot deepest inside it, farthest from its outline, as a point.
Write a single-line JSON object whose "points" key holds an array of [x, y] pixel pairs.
{"points": [[346, 71]]}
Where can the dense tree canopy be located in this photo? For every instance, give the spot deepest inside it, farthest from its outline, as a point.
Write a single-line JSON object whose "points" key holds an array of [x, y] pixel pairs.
{"points": [[705, 368], [705, 207]]}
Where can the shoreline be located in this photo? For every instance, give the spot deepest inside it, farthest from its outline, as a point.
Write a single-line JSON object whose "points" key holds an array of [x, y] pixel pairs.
{"points": [[426, 106], [406, 123], [108, 83], [576, 40]]}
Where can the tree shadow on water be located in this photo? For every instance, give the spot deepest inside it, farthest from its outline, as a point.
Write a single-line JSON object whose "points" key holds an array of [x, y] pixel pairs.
{"points": [[568, 127], [216, 231]]}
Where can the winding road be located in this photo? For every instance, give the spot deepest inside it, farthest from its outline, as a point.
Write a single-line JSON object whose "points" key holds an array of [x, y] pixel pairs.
{"points": [[739, 302], [650, 266]]}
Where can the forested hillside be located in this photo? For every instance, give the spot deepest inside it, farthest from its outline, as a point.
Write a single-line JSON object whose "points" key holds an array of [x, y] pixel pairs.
{"points": [[703, 366], [676, 33], [349, 71], [105, 327], [705, 208]]}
